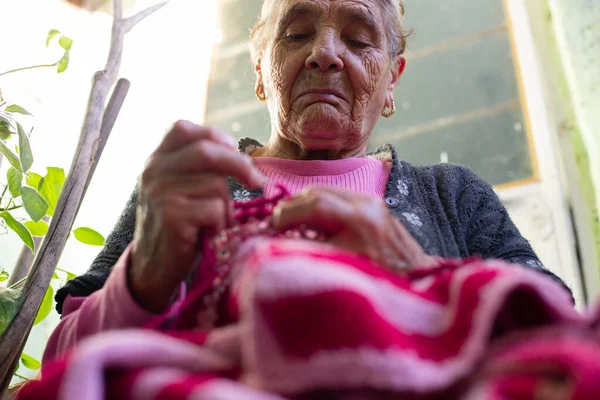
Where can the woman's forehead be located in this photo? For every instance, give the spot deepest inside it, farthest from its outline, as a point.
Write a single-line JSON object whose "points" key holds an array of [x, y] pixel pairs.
{"points": [[283, 11]]}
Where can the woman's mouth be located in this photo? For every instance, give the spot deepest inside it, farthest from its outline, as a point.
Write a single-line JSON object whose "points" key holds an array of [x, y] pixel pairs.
{"points": [[329, 96]]}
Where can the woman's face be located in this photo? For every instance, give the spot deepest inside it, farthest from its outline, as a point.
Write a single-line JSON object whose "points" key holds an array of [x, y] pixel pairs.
{"points": [[327, 73]]}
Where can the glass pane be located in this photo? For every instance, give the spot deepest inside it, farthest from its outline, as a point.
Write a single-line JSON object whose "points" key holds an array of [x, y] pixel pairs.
{"points": [[476, 76], [231, 84], [435, 21], [256, 125], [494, 147], [236, 18]]}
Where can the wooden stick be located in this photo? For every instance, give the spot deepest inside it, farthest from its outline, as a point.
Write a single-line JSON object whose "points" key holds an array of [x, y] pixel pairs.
{"points": [[132, 21], [14, 337], [108, 122], [25, 260]]}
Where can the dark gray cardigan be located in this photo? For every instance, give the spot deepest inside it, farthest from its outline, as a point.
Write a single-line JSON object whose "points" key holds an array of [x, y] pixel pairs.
{"points": [[448, 209]]}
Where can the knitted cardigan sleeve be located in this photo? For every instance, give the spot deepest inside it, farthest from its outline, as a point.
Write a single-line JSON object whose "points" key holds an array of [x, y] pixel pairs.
{"points": [[116, 243], [489, 230]]}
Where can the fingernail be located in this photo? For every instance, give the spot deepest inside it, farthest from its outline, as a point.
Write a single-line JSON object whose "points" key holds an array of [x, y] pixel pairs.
{"points": [[261, 179], [230, 141]]}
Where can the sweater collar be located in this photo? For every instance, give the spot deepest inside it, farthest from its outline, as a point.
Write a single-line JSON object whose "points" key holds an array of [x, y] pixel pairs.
{"points": [[385, 152]]}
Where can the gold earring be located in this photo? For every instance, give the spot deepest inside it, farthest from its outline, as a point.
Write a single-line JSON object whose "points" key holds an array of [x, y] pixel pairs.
{"points": [[260, 94], [388, 112]]}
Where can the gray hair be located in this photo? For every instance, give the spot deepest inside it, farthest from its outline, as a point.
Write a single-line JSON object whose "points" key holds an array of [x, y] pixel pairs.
{"points": [[393, 12]]}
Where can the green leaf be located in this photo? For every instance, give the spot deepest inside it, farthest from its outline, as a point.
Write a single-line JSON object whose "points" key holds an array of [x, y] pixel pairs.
{"points": [[17, 109], [5, 128], [89, 236], [55, 275], [50, 187], [34, 204], [3, 276], [46, 306], [6, 118], [11, 157], [15, 181], [24, 149], [33, 180], [63, 63], [37, 228], [30, 362], [51, 34], [18, 227], [70, 276], [65, 43], [10, 302]]}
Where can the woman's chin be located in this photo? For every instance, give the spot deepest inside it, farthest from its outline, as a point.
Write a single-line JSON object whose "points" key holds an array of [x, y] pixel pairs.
{"points": [[325, 127], [322, 139], [320, 144]]}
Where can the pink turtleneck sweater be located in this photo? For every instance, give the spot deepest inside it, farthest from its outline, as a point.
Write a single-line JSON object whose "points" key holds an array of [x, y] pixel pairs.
{"points": [[113, 307], [360, 175]]}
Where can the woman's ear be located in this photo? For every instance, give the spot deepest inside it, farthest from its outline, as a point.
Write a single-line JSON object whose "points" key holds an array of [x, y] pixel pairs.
{"points": [[397, 70], [260, 87]]}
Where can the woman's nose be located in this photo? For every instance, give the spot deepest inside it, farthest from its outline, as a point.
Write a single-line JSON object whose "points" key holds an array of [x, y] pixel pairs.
{"points": [[325, 54]]}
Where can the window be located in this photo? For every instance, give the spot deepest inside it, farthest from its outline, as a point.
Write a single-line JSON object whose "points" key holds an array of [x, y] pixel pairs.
{"points": [[458, 101]]}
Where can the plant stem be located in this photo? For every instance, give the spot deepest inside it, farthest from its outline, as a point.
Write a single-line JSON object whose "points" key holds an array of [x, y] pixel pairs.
{"points": [[4, 191], [21, 376], [26, 68], [17, 283], [12, 208]]}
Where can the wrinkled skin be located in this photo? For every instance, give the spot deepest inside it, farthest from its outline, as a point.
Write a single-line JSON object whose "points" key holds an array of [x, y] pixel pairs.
{"points": [[327, 76], [354, 222], [183, 194], [329, 46]]}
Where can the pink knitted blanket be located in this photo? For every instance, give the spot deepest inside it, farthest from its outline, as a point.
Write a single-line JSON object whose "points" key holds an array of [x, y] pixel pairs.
{"points": [[290, 318]]}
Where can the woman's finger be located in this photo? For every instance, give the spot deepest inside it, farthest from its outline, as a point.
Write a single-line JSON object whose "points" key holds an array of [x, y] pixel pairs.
{"points": [[207, 156], [343, 193], [411, 251], [316, 210], [395, 252], [185, 132], [185, 218], [209, 214], [191, 185], [196, 186]]}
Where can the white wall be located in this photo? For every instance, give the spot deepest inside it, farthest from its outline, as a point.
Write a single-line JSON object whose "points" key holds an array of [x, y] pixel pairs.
{"points": [[576, 25]]}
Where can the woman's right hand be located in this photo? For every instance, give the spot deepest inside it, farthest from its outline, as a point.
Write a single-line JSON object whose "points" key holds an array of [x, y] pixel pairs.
{"points": [[183, 194]]}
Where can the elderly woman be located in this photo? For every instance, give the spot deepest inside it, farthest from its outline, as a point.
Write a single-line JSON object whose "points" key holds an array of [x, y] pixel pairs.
{"points": [[327, 70]]}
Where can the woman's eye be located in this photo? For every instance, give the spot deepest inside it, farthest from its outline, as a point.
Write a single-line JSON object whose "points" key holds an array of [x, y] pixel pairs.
{"points": [[358, 44], [296, 36]]}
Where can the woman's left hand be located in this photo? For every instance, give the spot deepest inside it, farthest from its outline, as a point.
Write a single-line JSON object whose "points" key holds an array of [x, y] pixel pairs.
{"points": [[354, 222]]}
